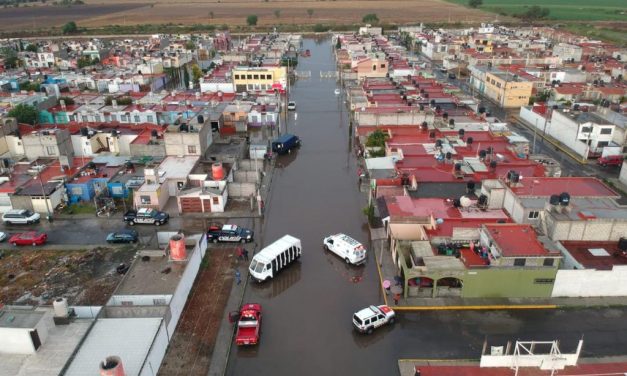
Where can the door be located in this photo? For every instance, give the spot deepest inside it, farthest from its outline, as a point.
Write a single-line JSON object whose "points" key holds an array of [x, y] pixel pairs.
{"points": [[34, 336]]}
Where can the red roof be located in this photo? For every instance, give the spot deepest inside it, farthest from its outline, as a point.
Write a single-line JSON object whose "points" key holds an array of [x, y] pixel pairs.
{"points": [[516, 240], [580, 251], [575, 186]]}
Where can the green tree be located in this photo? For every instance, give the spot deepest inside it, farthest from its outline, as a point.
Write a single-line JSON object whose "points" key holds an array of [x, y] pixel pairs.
{"points": [[10, 57], [67, 100], [190, 45], [252, 20], [196, 73], [24, 114], [211, 15], [370, 18], [32, 48], [377, 138], [70, 28], [475, 3], [277, 13], [310, 12], [338, 44], [535, 13]]}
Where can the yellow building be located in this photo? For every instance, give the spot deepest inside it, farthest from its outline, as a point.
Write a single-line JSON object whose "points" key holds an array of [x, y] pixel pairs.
{"points": [[508, 89], [251, 79]]}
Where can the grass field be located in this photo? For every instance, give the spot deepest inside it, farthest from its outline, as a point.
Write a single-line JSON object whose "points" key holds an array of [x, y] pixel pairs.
{"points": [[561, 10]]}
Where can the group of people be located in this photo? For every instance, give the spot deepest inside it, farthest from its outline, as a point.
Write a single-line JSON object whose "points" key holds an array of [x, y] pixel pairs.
{"points": [[241, 254]]}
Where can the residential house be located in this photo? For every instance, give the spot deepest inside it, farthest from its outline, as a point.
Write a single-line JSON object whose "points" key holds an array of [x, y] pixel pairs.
{"points": [[48, 143], [508, 90], [163, 181], [191, 138], [259, 79]]}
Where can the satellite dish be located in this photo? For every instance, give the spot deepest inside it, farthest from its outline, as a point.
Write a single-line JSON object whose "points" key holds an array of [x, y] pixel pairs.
{"points": [[439, 221], [465, 201]]}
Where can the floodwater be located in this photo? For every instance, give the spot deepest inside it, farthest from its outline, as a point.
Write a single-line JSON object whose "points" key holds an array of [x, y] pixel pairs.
{"points": [[307, 328]]}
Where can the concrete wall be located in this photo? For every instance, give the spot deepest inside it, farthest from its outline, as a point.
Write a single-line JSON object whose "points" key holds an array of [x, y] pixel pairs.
{"points": [[157, 352], [623, 173], [566, 131], [588, 230], [403, 118], [508, 282], [241, 176], [140, 150], [241, 189], [52, 145], [139, 300], [185, 285], [134, 311], [589, 283], [16, 341]]}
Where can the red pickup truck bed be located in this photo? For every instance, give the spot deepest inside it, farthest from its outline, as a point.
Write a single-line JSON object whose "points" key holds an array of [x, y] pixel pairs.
{"points": [[248, 325]]}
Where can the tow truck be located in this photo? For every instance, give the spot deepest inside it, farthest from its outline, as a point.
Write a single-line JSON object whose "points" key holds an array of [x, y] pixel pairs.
{"points": [[248, 324]]}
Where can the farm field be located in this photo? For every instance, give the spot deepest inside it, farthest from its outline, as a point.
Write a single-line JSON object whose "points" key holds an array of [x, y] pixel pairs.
{"points": [[561, 10], [97, 13]]}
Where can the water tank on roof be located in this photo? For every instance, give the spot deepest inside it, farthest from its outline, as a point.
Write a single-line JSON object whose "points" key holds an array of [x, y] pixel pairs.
{"points": [[183, 127], [458, 166], [112, 366], [60, 307], [154, 133], [470, 186], [217, 171], [201, 119], [445, 115], [451, 122], [482, 201], [554, 200], [460, 132], [515, 177], [564, 198], [438, 143], [178, 252], [493, 164], [482, 153], [622, 243], [431, 134], [470, 140], [84, 132]]}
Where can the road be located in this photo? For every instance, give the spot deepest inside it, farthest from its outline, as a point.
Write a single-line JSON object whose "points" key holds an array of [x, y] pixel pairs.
{"points": [[308, 307]]}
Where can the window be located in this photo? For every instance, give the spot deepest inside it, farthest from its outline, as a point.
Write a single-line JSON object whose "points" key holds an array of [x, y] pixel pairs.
{"points": [[249, 76], [374, 68], [544, 281], [136, 117], [237, 76], [519, 262], [215, 201], [606, 131], [534, 214], [548, 262], [382, 65], [51, 150], [602, 144], [191, 149], [145, 200], [158, 301], [149, 118], [586, 129]]}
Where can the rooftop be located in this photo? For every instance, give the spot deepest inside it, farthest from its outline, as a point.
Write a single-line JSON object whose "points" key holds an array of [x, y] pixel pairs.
{"points": [[18, 318], [156, 276], [516, 240], [128, 338], [594, 255], [178, 167], [575, 186]]}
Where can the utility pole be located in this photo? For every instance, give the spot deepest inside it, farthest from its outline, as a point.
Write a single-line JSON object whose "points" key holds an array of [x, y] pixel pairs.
{"points": [[535, 131], [43, 193]]}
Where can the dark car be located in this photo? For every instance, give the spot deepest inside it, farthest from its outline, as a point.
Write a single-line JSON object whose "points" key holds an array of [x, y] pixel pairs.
{"points": [[146, 216], [230, 233], [124, 236], [285, 143]]}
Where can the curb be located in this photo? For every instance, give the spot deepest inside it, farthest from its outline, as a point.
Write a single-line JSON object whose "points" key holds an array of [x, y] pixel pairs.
{"points": [[475, 307]]}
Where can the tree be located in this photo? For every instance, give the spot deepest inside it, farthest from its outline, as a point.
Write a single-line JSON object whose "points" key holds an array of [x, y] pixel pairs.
{"points": [[190, 45], [475, 3], [32, 48], [277, 13], [370, 18], [310, 12], [338, 44], [69, 28], [196, 73], [252, 20], [10, 57], [211, 15], [535, 13], [24, 114]]}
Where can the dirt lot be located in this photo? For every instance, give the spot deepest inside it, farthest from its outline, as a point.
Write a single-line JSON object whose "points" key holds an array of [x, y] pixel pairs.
{"points": [[191, 347], [232, 12], [85, 277]]}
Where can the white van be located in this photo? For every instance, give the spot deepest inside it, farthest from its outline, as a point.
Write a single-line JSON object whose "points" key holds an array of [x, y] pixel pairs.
{"points": [[273, 258], [346, 247]]}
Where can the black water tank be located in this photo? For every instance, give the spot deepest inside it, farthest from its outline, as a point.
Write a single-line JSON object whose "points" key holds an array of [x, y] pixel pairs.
{"points": [[470, 185], [422, 107], [154, 133], [84, 131], [438, 143], [184, 128], [424, 124], [458, 166], [201, 119], [482, 153], [622, 243], [461, 132], [483, 200], [470, 140], [449, 155], [457, 203], [451, 121], [481, 110], [515, 177], [564, 199], [493, 164], [431, 134], [445, 115], [554, 200]]}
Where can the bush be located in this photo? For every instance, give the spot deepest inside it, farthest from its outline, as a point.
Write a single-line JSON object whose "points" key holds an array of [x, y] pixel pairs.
{"points": [[252, 20], [377, 139], [475, 3], [70, 28], [24, 114], [370, 18], [319, 28]]}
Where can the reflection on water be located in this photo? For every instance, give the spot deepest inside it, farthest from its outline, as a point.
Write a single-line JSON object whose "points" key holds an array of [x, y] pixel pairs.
{"points": [[350, 273], [364, 340], [286, 278], [282, 161]]}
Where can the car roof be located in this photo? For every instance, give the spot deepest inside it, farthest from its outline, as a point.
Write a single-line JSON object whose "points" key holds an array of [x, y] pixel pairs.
{"points": [[125, 231], [367, 312], [16, 211]]}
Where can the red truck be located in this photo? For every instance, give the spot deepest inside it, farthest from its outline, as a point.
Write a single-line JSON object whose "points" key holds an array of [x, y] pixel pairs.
{"points": [[248, 325]]}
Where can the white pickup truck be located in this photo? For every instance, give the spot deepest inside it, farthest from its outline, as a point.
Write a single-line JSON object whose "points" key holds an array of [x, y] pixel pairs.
{"points": [[368, 319]]}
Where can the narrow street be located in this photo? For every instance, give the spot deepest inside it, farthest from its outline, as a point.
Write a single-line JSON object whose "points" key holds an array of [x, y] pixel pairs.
{"points": [[307, 325]]}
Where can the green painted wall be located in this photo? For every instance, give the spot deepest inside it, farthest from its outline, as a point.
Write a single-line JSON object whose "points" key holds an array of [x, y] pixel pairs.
{"points": [[507, 283]]}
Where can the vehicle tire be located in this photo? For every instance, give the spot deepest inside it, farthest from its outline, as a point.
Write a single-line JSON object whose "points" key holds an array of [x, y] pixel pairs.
{"points": [[15, 244], [326, 247], [34, 244], [215, 240], [8, 223], [29, 222], [347, 260], [131, 223], [392, 320], [157, 223], [243, 241], [369, 330]]}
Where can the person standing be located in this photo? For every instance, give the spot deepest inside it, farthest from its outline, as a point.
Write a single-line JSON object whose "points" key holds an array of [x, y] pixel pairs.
{"points": [[397, 297], [245, 254], [238, 276]]}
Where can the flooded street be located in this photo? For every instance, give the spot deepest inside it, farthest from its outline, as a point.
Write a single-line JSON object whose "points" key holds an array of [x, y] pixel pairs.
{"points": [[308, 307]]}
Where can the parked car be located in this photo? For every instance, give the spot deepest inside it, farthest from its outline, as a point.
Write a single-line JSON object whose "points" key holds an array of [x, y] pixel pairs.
{"points": [[291, 106], [230, 233], [248, 325], [285, 144], [368, 319], [611, 160], [123, 236], [20, 216], [3, 236], [349, 249], [274, 258], [146, 216], [29, 238]]}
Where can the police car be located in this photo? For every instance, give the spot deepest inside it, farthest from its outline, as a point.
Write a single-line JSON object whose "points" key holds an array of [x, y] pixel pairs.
{"points": [[368, 319], [230, 233]]}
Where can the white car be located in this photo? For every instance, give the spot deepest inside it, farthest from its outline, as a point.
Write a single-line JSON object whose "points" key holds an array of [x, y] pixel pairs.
{"points": [[20, 216], [368, 319], [3, 236], [291, 106], [349, 249]]}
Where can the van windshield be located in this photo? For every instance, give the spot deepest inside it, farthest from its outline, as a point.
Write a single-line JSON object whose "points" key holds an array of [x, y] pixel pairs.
{"points": [[357, 320], [256, 266]]}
